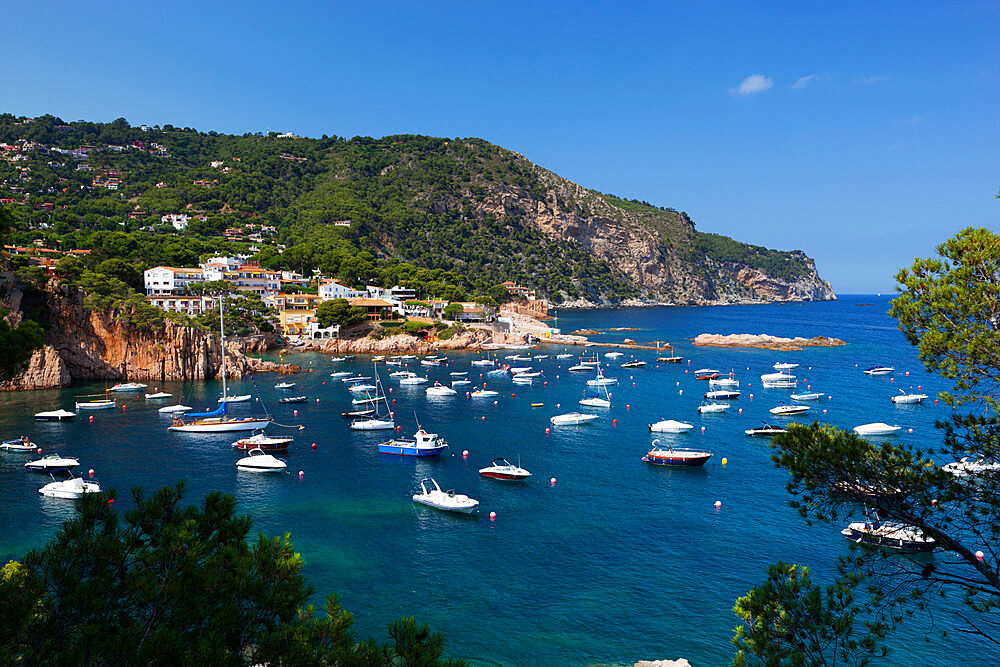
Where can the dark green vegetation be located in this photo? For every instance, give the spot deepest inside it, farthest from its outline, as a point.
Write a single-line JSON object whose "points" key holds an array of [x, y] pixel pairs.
{"points": [[449, 218], [947, 307], [339, 312], [180, 585]]}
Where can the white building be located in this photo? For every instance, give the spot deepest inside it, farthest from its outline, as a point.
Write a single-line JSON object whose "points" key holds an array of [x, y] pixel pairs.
{"points": [[170, 280], [178, 220], [334, 290], [189, 305]]}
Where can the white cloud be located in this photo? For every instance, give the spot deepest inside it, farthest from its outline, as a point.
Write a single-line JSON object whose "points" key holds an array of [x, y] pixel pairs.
{"points": [[868, 80], [804, 81], [755, 83]]}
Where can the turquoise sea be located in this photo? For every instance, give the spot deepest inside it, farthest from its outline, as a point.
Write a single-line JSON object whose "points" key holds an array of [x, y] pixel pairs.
{"points": [[615, 562]]}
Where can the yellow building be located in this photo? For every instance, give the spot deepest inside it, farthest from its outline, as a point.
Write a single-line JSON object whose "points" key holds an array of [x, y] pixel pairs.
{"points": [[295, 311]]}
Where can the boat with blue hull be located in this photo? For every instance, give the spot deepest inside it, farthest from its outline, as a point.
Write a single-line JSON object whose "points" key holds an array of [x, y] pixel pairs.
{"points": [[423, 444]]}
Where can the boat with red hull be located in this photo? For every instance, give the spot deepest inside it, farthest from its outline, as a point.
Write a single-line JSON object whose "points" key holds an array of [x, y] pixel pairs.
{"points": [[673, 456], [504, 469]]}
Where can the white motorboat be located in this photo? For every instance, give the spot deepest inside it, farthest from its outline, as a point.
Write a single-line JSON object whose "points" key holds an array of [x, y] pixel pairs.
{"points": [[713, 407], [718, 394], [613, 355], [504, 469], [264, 443], [128, 386], [967, 466], [522, 380], [258, 461], [766, 430], [483, 362], [337, 359], [354, 379], [373, 424], [159, 394], [52, 462], [460, 383], [241, 398], [341, 374], [879, 370], [670, 456], [595, 402], [516, 370], [633, 364], [888, 534], [779, 384], [813, 396], [439, 389], [484, 393], [572, 418], [876, 428], [601, 381], [729, 382], [367, 400], [416, 379], [784, 366], [777, 377], [706, 371], [21, 444], [433, 496], [784, 410], [402, 374], [361, 388], [55, 415], [580, 367], [908, 399], [285, 385], [175, 408], [70, 487], [96, 403], [393, 362], [564, 356], [670, 426], [458, 374]]}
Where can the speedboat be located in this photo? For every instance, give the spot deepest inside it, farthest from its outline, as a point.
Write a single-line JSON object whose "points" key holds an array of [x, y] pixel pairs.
{"points": [[460, 383], [70, 487], [504, 469], [284, 385], [21, 444], [670, 426], [337, 359], [52, 462], [55, 415], [595, 402], [889, 534], [293, 399], [402, 374], [376, 423], [729, 382], [258, 461], [175, 408], [482, 362], [564, 356], [777, 377], [713, 407], [540, 356], [766, 430], [783, 366], [814, 396], [515, 370], [680, 456], [450, 501], [361, 388], [440, 390], [967, 466], [354, 379], [159, 394], [633, 364], [581, 367], [706, 371], [613, 355], [423, 444], [241, 398], [484, 393], [706, 374], [101, 404], [340, 374], [263, 443], [876, 428], [783, 410], [907, 399], [722, 394], [522, 379], [458, 374], [879, 370], [572, 418], [416, 379], [128, 386]]}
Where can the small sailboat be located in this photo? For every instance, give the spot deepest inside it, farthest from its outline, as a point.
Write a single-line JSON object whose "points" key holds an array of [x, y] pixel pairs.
{"points": [[597, 401], [377, 421]]}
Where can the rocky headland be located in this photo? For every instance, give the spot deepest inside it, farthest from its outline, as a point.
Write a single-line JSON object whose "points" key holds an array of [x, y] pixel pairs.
{"points": [[765, 341]]}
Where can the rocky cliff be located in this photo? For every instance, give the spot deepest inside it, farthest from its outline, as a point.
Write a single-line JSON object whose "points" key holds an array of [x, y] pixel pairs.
{"points": [[86, 345]]}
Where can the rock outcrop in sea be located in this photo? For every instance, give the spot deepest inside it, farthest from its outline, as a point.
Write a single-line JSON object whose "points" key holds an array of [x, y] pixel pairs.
{"points": [[765, 341]]}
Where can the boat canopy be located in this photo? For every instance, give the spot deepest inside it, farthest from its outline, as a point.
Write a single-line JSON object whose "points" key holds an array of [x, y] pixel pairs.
{"points": [[219, 411]]}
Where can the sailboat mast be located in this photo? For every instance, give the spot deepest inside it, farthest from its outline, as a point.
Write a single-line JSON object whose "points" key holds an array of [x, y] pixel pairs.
{"points": [[222, 336]]}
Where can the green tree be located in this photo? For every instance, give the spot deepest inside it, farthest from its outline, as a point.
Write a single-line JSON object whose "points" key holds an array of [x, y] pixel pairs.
{"points": [[174, 584], [453, 310], [788, 620], [339, 312], [945, 308], [17, 344]]}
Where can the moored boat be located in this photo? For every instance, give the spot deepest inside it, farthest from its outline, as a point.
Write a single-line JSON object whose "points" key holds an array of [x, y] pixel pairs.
{"points": [[784, 410], [888, 534], [572, 419], [504, 469], [670, 426], [722, 394], [70, 487], [293, 399], [423, 444], [21, 444], [713, 407], [159, 394], [767, 430], [258, 461], [676, 456], [812, 396], [128, 386], [633, 364], [879, 370], [264, 443], [432, 496], [54, 415], [52, 462], [908, 399], [876, 428]]}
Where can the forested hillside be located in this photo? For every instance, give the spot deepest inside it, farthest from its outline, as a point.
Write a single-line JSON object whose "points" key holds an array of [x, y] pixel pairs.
{"points": [[450, 217]]}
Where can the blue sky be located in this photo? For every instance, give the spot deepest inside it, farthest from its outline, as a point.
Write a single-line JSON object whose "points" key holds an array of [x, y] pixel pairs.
{"points": [[862, 133]]}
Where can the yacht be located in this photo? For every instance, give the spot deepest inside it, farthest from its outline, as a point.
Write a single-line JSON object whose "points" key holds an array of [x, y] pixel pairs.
{"points": [[263, 443], [679, 456], [889, 534], [504, 469], [783, 410], [713, 407], [572, 419], [258, 461], [876, 428], [879, 370], [52, 462], [433, 496], [766, 430]]}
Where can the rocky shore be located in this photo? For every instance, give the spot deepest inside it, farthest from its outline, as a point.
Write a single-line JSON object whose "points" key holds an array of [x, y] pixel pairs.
{"points": [[765, 342]]}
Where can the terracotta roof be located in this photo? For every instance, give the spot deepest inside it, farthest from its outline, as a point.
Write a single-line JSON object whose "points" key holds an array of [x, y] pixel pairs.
{"points": [[369, 302]]}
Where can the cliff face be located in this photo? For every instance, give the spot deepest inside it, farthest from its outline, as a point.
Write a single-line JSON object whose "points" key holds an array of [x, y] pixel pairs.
{"points": [[84, 345]]}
